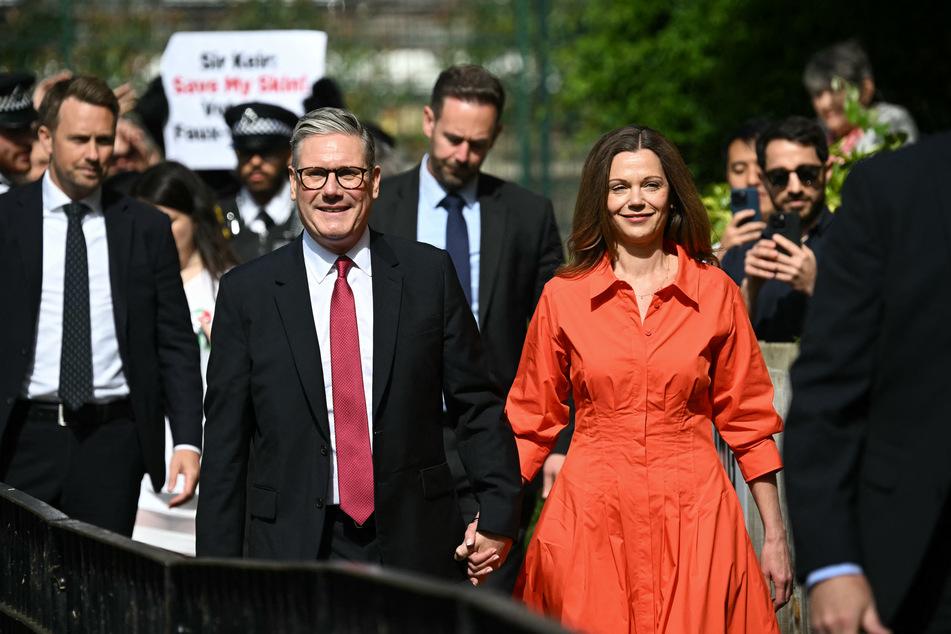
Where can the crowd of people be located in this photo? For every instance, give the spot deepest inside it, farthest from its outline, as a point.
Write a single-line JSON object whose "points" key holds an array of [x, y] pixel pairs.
{"points": [[390, 366]]}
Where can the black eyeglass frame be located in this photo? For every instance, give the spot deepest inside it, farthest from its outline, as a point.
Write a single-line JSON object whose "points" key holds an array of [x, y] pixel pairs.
{"points": [[779, 177], [363, 174]]}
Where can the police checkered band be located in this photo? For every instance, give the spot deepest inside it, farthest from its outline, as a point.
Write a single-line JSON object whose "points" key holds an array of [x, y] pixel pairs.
{"points": [[16, 101], [252, 124]]}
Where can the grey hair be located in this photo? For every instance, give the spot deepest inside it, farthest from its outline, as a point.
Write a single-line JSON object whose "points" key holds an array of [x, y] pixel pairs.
{"points": [[324, 121], [846, 60]]}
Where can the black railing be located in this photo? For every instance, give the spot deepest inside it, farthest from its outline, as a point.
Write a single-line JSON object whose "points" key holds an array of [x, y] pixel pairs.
{"points": [[62, 575]]}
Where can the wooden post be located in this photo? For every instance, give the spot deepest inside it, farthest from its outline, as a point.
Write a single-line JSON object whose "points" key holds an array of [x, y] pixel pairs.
{"points": [[779, 357]]}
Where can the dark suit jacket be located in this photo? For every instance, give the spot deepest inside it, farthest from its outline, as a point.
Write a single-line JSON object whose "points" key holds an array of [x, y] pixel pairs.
{"points": [[266, 389], [156, 343], [868, 435], [520, 250], [248, 245]]}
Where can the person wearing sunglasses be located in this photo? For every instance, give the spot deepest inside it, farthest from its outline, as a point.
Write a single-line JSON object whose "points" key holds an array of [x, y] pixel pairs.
{"points": [[780, 273]]}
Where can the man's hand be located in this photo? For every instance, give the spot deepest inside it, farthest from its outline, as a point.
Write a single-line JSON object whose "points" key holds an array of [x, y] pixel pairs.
{"points": [[187, 463], [844, 605], [485, 551], [798, 269], [738, 232], [127, 97], [44, 85], [550, 471], [777, 568]]}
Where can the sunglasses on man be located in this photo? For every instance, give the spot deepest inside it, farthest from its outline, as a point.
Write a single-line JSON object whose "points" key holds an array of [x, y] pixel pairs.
{"points": [[807, 175]]}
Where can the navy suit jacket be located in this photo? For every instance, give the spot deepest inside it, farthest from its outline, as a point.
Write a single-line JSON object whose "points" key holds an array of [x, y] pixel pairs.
{"points": [[266, 395], [520, 251], [157, 346]]}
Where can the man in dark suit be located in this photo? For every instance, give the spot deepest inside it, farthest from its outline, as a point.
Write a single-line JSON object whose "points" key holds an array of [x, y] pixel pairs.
{"points": [[330, 360], [508, 242], [260, 217], [867, 437], [94, 328]]}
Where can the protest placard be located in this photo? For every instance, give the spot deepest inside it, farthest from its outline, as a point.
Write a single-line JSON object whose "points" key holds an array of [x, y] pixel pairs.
{"points": [[205, 73]]}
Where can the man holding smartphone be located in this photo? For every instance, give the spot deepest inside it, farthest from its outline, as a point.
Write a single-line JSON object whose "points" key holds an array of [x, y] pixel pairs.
{"points": [[745, 179], [780, 270]]}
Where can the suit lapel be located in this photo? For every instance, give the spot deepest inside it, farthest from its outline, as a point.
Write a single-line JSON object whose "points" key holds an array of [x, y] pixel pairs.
{"points": [[292, 296], [493, 214], [387, 293]]}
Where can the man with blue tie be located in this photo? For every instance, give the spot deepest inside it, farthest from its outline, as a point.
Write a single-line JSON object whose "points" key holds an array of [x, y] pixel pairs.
{"points": [[503, 239]]}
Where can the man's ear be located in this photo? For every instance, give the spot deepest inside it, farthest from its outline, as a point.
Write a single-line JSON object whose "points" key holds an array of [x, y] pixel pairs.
{"points": [[429, 121], [866, 91], [45, 136]]}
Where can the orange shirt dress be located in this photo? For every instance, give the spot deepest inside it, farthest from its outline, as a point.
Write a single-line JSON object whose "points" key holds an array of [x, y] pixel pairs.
{"points": [[643, 531]]}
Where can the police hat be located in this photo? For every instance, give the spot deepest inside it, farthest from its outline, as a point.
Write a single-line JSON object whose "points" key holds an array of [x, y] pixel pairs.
{"points": [[257, 127], [16, 103]]}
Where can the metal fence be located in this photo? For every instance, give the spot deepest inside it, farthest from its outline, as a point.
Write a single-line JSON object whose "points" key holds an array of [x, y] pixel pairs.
{"points": [[62, 575]]}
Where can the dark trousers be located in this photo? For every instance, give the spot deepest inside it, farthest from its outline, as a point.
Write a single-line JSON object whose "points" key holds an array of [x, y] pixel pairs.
{"points": [[92, 473], [345, 540]]}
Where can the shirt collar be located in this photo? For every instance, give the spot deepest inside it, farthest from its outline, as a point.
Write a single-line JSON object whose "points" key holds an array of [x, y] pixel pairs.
{"points": [[322, 261], [431, 192], [55, 198], [686, 283], [279, 207]]}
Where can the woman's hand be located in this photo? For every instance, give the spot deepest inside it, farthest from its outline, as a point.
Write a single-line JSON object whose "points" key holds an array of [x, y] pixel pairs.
{"points": [[777, 569], [774, 558]]}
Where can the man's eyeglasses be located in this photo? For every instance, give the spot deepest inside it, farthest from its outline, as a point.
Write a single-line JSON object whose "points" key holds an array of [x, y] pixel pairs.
{"points": [[316, 177], [807, 174]]}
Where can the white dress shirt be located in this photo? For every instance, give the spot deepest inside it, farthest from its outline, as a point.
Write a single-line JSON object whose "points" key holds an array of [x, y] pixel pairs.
{"points": [[321, 276], [42, 377], [431, 222]]}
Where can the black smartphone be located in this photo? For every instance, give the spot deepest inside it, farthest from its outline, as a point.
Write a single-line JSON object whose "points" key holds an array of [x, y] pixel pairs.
{"points": [[745, 198], [786, 224]]}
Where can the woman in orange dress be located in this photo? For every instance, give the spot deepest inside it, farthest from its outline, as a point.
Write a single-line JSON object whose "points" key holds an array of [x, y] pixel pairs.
{"points": [[642, 531]]}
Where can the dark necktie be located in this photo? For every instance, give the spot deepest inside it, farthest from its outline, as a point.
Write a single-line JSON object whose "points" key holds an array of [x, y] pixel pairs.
{"points": [[75, 370], [354, 462], [265, 218], [457, 241]]}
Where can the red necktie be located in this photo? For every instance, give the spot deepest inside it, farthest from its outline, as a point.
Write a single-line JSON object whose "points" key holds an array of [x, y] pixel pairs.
{"points": [[354, 462]]}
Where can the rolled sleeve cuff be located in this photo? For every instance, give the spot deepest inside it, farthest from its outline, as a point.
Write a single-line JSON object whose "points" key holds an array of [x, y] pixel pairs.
{"points": [[759, 459]]}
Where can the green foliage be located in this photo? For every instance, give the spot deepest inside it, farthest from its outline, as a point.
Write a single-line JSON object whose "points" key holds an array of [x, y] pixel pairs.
{"points": [[716, 199], [843, 161], [31, 39]]}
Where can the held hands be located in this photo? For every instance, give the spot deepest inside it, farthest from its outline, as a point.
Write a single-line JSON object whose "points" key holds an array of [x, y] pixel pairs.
{"points": [[485, 551], [845, 605], [738, 232], [777, 569], [798, 269], [185, 462]]}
